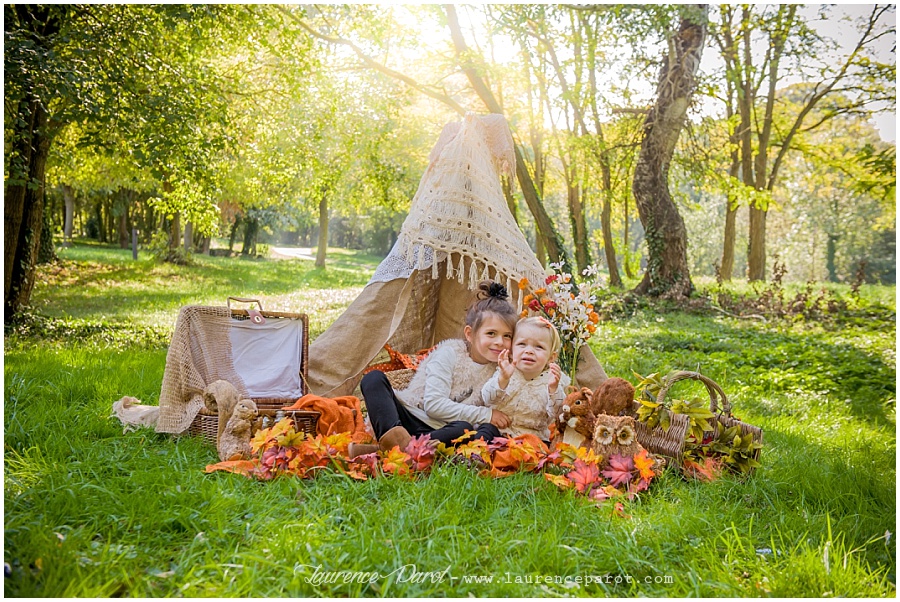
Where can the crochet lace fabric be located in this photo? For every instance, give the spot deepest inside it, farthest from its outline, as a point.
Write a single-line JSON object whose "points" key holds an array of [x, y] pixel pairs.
{"points": [[200, 353], [459, 214]]}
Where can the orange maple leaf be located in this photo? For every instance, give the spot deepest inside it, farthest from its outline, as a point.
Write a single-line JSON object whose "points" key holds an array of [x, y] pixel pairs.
{"points": [[644, 464], [559, 480], [339, 441], [396, 462]]}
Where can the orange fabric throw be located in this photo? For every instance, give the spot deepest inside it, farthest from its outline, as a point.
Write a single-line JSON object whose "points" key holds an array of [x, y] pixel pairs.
{"points": [[338, 415], [236, 466]]}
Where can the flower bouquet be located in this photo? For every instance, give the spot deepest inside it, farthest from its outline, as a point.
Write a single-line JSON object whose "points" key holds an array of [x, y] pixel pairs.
{"points": [[569, 307]]}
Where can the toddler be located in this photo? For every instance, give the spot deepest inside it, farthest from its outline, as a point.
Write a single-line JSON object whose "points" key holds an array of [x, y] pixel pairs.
{"points": [[526, 384]]}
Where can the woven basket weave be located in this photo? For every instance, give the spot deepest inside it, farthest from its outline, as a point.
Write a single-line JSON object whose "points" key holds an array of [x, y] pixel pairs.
{"points": [[400, 379], [207, 425], [672, 443]]}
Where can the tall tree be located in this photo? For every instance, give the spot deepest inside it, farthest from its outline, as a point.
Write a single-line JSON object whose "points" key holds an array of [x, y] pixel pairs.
{"points": [[129, 68], [667, 268], [764, 132]]}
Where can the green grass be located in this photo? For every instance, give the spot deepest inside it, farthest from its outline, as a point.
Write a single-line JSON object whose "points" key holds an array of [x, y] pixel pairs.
{"points": [[91, 512]]}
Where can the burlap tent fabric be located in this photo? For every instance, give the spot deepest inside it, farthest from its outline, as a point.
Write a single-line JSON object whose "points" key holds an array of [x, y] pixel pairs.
{"points": [[459, 231]]}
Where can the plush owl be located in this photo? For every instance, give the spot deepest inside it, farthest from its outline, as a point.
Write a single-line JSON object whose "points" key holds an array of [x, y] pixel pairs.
{"points": [[613, 397], [575, 423], [615, 435]]}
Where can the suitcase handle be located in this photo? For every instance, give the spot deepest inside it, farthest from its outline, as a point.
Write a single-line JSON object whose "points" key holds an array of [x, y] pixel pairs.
{"points": [[242, 300]]}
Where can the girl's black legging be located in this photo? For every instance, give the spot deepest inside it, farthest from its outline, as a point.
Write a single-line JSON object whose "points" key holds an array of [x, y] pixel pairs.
{"points": [[386, 412]]}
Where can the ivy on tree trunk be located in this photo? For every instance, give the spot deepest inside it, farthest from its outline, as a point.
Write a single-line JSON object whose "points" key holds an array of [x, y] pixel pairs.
{"points": [[667, 268]]}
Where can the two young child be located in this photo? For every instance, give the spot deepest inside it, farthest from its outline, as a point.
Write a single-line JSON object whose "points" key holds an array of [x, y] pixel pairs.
{"points": [[492, 382]]}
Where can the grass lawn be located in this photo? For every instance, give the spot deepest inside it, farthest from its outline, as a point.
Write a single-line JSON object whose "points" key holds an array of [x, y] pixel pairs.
{"points": [[92, 512]]}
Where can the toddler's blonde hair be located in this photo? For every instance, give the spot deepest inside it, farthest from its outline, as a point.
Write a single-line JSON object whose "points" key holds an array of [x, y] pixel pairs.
{"points": [[539, 322]]}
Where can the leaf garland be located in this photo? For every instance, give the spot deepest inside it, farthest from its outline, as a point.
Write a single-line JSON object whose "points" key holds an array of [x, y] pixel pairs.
{"points": [[282, 450]]}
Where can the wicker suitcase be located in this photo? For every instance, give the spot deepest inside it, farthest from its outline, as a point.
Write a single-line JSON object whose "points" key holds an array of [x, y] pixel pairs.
{"points": [[206, 423]]}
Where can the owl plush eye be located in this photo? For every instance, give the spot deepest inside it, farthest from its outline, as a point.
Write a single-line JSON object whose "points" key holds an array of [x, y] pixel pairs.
{"points": [[625, 435], [604, 435]]}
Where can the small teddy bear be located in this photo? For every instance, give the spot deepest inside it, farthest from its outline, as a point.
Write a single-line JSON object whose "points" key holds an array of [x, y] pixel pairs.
{"points": [[234, 442], [613, 397], [575, 424]]}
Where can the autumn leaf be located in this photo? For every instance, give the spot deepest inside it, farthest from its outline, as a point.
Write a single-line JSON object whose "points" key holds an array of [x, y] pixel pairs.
{"points": [[475, 447], [559, 480], [583, 475], [291, 439], [709, 470], [619, 510], [355, 474], [619, 471], [644, 464], [421, 452], [260, 440], [339, 441], [599, 494], [588, 456], [466, 436], [551, 458], [396, 462]]}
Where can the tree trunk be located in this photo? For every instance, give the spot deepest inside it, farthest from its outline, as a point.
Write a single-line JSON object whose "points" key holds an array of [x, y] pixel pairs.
{"points": [[627, 251], [579, 226], [667, 268], [830, 252], [251, 227], [726, 269], [69, 200], [188, 237], [175, 232], [510, 199], [234, 229], [23, 211], [123, 230], [756, 251], [608, 249], [323, 231]]}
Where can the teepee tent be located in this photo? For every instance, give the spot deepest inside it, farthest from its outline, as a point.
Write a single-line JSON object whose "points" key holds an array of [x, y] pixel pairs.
{"points": [[459, 231]]}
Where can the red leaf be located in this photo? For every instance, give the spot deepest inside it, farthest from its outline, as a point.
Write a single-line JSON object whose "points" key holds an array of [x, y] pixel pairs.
{"points": [[619, 471], [583, 475], [421, 452]]}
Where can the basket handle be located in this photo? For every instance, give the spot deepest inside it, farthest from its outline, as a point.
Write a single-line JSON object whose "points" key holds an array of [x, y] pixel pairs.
{"points": [[242, 300], [715, 391]]}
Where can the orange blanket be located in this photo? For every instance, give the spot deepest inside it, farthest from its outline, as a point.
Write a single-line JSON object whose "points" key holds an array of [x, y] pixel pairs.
{"points": [[338, 415]]}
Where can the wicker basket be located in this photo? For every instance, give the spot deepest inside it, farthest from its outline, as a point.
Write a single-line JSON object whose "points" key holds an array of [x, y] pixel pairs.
{"points": [[206, 423], [671, 443], [400, 379]]}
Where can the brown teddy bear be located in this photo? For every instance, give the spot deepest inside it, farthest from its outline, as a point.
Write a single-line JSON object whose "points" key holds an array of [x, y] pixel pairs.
{"points": [[575, 424], [234, 442], [613, 397]]}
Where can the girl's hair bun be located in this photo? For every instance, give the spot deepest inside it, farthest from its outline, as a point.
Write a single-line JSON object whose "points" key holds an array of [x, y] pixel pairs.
{"points": [[488, 289]]}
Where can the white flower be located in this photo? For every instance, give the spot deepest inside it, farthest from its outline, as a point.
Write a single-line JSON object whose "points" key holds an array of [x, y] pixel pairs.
{"points": [[589, 271]]}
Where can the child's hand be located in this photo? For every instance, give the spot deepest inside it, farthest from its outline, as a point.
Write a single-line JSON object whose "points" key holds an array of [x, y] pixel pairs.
{"points": [[507, 368], [555, 375], [499, 419]]}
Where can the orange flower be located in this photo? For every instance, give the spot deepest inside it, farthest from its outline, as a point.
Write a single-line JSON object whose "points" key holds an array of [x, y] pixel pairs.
{"points": [[523, 284], [524, 313], [591, 328], [540, 291], [594, 317], [527, 299]]}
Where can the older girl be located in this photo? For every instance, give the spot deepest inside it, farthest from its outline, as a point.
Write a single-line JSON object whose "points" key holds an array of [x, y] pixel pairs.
{"points": [[441, 399]]}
